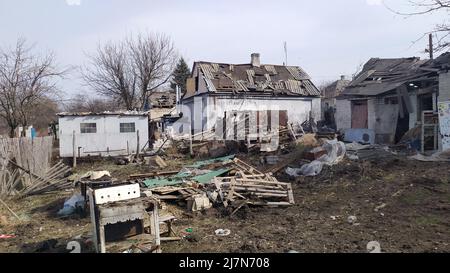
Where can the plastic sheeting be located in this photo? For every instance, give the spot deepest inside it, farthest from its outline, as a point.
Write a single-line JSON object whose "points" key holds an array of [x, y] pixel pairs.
{"points": [[436, 157], [71, 205], [335, 154]]}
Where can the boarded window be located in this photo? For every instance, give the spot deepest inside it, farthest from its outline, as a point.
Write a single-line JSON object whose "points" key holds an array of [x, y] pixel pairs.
{"points": [[127, 127], [88, 128]]}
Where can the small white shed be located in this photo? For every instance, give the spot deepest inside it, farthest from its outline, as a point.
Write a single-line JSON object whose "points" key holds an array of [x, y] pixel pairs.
{"points": [[102, 134]]}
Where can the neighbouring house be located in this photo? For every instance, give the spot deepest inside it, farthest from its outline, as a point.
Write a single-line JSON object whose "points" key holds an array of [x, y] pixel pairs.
{"points": [[217, 92], [390, 98], [163, 113], [163, 99], [442, 65], [329, 94], [102, 134]]}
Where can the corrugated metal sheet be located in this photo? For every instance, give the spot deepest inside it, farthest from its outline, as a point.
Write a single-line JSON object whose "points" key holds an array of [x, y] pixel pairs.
{"points": [[207, 71], [210, 85], [271, 69], [297, 73], [251, 75]]}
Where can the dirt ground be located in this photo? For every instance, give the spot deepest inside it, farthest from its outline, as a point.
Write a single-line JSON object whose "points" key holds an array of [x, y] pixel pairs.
{"points": [[402, 204]]}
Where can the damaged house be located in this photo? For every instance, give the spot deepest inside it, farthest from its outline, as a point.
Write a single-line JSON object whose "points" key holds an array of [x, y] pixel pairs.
{"points": [[330, 92], [163, 112], [390, 98], [217, 92]]}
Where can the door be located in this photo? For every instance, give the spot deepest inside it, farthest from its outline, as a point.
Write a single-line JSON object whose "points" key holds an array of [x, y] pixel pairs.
{"points": [[360, 114]]}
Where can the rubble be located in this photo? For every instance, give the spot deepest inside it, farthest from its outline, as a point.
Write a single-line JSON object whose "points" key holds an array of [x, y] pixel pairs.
{"points": [[250, 186], [334, 151], [436, 157]]}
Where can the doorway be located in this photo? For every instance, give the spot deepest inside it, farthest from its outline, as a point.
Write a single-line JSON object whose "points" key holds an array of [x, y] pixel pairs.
{"points": [[360, 114]]}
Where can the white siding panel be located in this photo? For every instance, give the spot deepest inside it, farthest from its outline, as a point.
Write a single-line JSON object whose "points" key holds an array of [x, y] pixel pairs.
{"points": [[108, 136]]}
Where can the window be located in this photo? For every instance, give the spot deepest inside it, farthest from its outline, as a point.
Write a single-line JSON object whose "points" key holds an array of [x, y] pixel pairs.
{"points": [[127, 127], [88, 128]]}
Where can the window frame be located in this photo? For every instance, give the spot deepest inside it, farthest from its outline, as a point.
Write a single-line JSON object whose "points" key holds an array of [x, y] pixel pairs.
{"points": [[127, 131], [88, 128]]}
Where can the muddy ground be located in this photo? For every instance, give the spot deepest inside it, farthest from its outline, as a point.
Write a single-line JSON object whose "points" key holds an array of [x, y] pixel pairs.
{"points": [[402, 204]]}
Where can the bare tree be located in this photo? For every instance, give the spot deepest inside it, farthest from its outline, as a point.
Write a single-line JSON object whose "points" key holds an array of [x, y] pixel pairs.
{"points": [[130, 70], [25, 80], [83, 103], [442, 30]]}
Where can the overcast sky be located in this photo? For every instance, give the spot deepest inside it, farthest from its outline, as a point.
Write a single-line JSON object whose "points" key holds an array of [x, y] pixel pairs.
{"points": [[327, 38]]}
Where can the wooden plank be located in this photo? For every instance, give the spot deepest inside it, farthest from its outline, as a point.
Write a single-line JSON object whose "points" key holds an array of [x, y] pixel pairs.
{"points": [[152, 174]]}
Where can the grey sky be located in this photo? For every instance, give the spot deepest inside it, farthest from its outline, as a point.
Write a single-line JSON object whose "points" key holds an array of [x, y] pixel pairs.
{"points": [[327, 38]]}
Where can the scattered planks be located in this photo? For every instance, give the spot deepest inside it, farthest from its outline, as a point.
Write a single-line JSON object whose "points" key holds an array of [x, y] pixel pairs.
{"points": [[152, 174], [50, 181], [53, 180], [9, 182], [250, 186], [175, 193]]}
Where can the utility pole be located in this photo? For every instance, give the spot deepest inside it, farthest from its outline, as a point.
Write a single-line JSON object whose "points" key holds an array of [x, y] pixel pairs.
{"points": [[285, 54], [430, 46]]}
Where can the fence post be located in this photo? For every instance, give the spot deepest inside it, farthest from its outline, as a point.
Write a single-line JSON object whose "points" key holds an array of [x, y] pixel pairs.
{"points": [[74, 150], [137, 149]]}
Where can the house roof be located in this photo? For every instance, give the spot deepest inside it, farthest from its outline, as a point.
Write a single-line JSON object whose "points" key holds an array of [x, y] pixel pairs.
{"points": [[246, 78], [106, 113], [159, 113], [379, 76], [442, 62], [166, 99], [335, 88]]}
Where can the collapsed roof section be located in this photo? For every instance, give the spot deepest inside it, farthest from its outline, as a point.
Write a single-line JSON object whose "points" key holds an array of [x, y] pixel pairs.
{"points": [[380, 76], [165, 99], [254, 78]]}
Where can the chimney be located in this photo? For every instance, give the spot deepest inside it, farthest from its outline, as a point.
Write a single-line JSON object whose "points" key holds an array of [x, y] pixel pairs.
{"points": [[255, 60], [342, 77]]}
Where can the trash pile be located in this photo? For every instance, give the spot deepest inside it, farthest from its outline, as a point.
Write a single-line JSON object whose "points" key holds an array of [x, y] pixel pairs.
{"points": [[331, 153], [250, 186]]}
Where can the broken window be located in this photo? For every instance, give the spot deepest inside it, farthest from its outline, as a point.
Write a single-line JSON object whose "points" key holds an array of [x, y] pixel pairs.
{"points": [[88, 128], [127, 127]]}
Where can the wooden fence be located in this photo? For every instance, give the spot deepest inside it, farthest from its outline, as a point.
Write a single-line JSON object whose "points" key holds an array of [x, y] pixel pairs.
{"points": [[23, 161]]}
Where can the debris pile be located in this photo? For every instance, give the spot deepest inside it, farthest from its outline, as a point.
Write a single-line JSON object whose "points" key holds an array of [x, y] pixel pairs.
{"points": [[331, 153], [250, 186]]}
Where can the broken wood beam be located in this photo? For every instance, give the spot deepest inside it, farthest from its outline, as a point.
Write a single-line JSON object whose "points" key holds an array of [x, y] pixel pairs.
{"points": [[152, 174]]}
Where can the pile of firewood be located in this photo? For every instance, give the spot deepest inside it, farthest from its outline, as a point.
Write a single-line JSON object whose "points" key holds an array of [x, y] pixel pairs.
{"points": [[250, 186]]}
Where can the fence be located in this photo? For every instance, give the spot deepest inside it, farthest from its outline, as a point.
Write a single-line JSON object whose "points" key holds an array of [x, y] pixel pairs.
{"points": [[23, 161]]}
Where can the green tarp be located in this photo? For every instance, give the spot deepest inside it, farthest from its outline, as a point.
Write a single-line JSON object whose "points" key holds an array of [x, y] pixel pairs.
{"points": [[207, 177], [202, 179], [178, 179]]}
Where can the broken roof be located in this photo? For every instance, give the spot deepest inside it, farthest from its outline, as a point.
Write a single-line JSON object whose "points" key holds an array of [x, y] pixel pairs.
{"points": [[163, 99], [335, 88], [379, 76], [442, 62], [249, 78], [105, 113]]}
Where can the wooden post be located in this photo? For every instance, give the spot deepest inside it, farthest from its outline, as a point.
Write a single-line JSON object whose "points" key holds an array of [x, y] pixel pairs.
{"points": [[156, 226], [74, 150], [90, 194], [191, 150], [137, 148], [128, 148]]}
